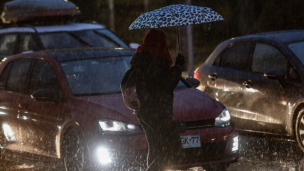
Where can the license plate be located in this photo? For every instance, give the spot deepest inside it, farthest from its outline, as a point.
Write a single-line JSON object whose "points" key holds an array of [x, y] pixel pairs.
{"points": [[190, 141]]}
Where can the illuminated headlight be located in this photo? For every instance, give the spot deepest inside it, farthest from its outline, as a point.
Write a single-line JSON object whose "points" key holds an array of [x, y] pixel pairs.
{"points": [[110, 127], [235, 145], [104, 156], [224, 119]]}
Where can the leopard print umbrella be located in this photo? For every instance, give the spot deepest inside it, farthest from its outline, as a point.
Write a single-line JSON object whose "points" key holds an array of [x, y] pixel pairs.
{"points": [[175, 15]]}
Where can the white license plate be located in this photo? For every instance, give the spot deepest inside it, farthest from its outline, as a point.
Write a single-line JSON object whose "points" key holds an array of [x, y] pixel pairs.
{"points": [[190, 141]]}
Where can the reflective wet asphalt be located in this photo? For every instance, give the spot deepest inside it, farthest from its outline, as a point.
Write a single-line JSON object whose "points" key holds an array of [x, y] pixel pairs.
{"points": [[267, 153], [257, 153]]}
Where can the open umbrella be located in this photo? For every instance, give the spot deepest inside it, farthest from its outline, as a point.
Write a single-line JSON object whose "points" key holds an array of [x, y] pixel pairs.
{"points": [[175, 15]]}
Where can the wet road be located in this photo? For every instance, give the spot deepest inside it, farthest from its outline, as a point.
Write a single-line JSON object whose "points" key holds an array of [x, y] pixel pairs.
{"points": [[261, 153], [258, 153], [264, 153]]}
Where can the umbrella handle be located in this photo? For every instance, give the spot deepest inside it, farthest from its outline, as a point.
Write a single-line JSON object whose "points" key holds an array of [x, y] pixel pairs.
{"points": [[179, 48]]}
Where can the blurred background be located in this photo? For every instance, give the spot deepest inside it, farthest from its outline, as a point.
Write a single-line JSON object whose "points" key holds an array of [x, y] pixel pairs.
{"points": [[241, 17]]}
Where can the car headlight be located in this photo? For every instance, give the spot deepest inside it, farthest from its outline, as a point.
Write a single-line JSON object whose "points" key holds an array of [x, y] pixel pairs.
{"points": [[113, 127], [224, 119]]}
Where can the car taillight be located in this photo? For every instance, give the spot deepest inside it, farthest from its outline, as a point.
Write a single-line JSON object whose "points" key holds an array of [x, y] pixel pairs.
{"points": [[196, 72]]}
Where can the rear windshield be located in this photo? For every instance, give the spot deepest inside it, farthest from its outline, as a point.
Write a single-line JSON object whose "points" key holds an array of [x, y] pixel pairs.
{"points": [[59, 41], [298, 49], [112, 36], [77, 39], [98, 76], [94, 39]]}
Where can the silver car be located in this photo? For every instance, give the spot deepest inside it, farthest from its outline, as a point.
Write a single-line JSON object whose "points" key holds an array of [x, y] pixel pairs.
{"points": [[259, 78]]}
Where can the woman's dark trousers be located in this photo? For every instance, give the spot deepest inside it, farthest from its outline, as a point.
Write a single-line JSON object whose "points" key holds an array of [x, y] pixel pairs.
{"points": [[163, 140]]}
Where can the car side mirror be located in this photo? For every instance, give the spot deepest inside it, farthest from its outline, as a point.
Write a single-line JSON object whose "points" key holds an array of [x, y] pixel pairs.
{"points": [[133, 45], [276, 74], [46, 95], [193, 81]]}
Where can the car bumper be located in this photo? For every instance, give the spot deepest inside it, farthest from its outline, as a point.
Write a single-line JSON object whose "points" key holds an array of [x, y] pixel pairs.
{"points": [[218, 145], [223, 150]]}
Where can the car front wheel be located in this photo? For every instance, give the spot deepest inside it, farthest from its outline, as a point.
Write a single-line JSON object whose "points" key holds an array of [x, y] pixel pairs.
{"points": [[299, 129], [73, 151]]}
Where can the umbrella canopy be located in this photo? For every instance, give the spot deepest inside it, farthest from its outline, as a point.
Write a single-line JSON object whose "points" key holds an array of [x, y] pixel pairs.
{"points": [[175, 15]]}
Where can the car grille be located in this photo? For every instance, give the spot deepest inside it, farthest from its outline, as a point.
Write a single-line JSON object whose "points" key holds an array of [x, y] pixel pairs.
{"points": [[200, 124]]}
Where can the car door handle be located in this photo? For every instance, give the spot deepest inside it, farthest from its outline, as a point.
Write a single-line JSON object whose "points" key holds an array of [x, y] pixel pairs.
{"points": [[247, 84], [212, 77]]}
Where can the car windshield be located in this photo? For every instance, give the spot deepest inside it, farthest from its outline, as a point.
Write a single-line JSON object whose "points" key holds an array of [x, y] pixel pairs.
{"points": [[297, 49], [98, 76], [76, 39]]}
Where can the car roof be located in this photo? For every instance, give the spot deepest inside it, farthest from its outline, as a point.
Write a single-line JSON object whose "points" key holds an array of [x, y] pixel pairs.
{"points": [[285, 36], [53, 28], [87, 53]]}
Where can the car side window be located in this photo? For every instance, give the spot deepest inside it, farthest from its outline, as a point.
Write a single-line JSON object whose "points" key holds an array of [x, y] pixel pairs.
{"points": [[4, 76], [266, 57], [7, 44], [43, 77], [27, 43], [236, 57], [17, 78]]}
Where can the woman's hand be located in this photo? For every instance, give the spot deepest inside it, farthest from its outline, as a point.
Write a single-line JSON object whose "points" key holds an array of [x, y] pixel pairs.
{"points": [[180, 60]]}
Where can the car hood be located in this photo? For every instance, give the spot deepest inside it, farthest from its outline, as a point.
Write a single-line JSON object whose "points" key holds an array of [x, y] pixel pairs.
{"points": [[189, 104]]}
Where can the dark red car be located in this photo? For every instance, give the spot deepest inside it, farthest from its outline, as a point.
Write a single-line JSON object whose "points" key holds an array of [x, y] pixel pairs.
{"points": [[64, 109]]}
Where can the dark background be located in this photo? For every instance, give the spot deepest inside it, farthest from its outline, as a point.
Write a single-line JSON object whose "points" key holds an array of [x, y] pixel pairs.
{"points": [[242, 17]]}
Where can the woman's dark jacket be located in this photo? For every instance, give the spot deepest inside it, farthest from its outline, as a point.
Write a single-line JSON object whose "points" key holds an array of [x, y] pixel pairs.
{"points": [[156, 81]]}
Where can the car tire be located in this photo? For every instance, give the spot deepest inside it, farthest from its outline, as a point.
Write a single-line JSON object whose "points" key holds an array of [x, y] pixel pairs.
{"points": [[74, 151], [215, 167], [299, 129]]}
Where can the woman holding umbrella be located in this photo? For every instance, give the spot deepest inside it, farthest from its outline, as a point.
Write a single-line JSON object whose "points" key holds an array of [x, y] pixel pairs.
{"points": [[154, 87], [157, 79]]}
